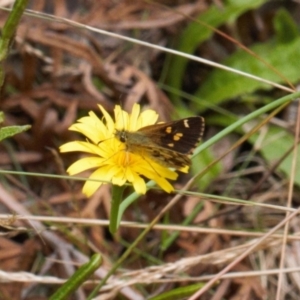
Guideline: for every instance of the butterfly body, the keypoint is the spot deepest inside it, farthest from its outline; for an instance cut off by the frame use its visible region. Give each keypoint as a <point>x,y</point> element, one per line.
<point>169,144</point>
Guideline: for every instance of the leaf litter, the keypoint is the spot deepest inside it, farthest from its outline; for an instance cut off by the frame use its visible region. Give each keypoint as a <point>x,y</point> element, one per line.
<point>55,74</point>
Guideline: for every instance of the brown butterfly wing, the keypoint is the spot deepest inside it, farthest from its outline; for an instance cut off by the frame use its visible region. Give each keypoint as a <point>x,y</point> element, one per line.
<point>181,136</point>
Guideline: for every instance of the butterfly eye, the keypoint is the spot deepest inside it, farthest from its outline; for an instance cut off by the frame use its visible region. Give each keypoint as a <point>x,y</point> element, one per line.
<point>121,136</point>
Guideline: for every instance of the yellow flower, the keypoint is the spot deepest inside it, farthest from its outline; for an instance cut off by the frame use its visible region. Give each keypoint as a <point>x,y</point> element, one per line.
<point>113,163</point>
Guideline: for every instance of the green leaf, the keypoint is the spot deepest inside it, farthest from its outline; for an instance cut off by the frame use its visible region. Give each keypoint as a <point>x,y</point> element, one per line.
<point>199,163</point>
<point>196,33</point>
<point>222,85</point>
<point>1,117</point>
<point>275,144</point>
<point>78,278</point>
<point>179,293</point>
<point>286,28</point>
<point>9,131</point>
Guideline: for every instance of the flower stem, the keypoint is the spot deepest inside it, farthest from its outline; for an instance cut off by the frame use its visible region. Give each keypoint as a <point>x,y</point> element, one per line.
<point>117,196</point>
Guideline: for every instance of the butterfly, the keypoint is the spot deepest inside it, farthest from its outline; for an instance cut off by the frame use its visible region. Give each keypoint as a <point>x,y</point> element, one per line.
<point>169,144</point>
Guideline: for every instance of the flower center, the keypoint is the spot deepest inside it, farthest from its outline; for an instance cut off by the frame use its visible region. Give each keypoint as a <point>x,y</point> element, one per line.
<point>124,158</point>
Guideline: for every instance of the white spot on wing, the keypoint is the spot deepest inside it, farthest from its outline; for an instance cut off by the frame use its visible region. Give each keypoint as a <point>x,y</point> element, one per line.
<point>186,123</point>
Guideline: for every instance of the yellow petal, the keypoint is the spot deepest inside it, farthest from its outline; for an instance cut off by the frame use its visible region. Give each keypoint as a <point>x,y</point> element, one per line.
<point>139,184</point>
<point>85,164</point>
<point>121,118</point>
<point>89,131</point>
<point>151,170</point>
<point>109,121</point>
<point>133,124</point>
<point>164,184</point>
<point>147,117</point>
<point>83,147</point>
<point>100,174</point>
<point>90,187</point>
